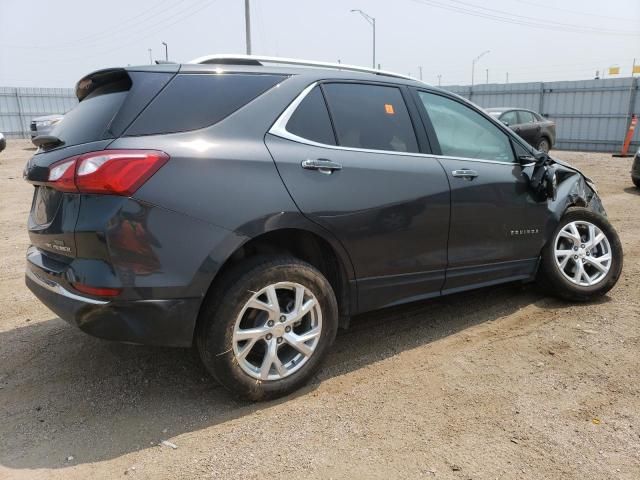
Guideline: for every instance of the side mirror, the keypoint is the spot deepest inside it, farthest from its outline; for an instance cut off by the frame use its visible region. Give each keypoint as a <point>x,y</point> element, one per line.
<point>551,183</point>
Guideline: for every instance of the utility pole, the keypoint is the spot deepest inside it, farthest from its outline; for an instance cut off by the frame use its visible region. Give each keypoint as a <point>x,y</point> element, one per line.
<point>247,25</point>
<point>150,56</point>
<point>420,68</point>
<point>439,80</point>
<point>166,51</point>
<point>487,76</point>
<point>372,22</point>
<point>473,64</point>
<point>507,77</point>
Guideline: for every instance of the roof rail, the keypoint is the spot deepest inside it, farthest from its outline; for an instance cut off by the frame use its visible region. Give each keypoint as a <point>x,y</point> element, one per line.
<point>259,60</point>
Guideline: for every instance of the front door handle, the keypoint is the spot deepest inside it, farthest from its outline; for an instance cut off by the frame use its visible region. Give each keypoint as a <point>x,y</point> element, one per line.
<point>322,165</point>
<point>465,173</point>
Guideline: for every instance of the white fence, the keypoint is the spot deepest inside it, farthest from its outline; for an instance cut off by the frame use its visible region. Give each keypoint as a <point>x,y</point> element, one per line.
<point>590,115</point>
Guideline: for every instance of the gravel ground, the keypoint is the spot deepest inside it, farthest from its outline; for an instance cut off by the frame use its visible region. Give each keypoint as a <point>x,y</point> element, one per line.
<point>499,383</point>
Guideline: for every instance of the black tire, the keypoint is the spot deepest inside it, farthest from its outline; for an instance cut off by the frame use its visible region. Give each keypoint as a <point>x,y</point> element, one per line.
<point>214,336</point>
<point>555,283</point>
<point>636,182</point>
<point>544,145</point>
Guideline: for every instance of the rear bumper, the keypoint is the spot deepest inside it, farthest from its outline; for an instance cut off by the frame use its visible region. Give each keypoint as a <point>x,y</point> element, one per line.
<point>150,322</point>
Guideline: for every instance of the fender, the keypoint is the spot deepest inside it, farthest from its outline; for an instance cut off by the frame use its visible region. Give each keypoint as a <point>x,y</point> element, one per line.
<point>561,186</point>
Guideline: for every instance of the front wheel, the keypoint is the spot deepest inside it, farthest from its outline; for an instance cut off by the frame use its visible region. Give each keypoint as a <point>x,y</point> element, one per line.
<point>267,326</point>
<point>636,182</point>
<point>583,259</point>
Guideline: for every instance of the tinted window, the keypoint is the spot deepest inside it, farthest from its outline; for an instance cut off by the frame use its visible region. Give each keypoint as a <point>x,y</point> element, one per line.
<point>370,116</point>
<point>510,118</point>
<point>90,119</point>
<point>192,101</point>
<point>463,132</point>
<point>526,117</point>
<point>311,119</point>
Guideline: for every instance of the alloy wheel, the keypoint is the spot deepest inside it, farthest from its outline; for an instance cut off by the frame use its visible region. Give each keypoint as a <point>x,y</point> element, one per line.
<point>582,253</point>
<point>277,331</point>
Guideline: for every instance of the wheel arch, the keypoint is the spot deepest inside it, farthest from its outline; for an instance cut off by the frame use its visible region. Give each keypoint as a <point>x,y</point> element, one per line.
<point>310,245</point>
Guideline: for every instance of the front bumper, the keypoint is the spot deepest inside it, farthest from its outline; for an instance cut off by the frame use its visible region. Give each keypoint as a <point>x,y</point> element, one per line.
<point>150,322</point>
<point>635,167</point>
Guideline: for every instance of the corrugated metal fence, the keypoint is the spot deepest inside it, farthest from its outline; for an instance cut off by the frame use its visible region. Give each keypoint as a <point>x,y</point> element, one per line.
<point>19,105</point>
<point>591,115</point>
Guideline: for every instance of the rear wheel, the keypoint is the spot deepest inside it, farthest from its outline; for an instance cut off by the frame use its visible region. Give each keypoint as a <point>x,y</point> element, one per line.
<point>265,331</point>
<point>583,259</point>
<point>543,145</point>
<point>636,182</point>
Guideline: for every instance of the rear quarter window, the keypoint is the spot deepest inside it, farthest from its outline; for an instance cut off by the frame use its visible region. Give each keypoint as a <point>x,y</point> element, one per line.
<point>193,101</point>
<point>311,119</point>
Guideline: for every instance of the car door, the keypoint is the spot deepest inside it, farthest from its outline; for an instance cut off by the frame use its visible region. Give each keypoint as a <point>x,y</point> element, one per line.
<point>529,128</point>
<point>349,155</point>
<point>497,227</point>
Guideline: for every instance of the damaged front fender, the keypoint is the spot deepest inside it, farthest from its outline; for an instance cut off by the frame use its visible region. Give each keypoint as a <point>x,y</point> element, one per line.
<point>561,186</point>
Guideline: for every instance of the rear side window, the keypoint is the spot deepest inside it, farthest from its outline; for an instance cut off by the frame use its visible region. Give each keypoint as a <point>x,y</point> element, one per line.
<point>193,101</point>
<point>89,120</point>
<point>370,116</point>
<point>526,117</point>
<point>311,119</point>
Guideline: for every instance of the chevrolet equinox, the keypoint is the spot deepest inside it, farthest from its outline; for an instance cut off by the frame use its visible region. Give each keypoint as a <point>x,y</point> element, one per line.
<point>251,205</point>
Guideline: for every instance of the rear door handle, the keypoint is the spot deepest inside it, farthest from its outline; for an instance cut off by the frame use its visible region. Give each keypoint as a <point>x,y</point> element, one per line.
<point>322,165</point>
<point>465,173</point>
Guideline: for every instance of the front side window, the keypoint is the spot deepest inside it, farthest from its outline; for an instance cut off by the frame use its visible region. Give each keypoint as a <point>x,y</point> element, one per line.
<point>373,117</point>
<point>462,132</point>
<point>311,119</point>
<point>510,118</point>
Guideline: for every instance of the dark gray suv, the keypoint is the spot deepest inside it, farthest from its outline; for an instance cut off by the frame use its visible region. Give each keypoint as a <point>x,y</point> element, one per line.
<point>251,206</point>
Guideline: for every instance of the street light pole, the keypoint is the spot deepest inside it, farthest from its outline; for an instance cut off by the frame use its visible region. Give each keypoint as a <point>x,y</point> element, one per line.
<point>166,51</point>
<point>473,64</point>
<point>150,56</point>
<point>247,25</point>
<point>372,22</point>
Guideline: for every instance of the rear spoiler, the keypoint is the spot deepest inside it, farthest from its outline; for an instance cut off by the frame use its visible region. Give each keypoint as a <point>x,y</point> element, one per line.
<point>94,80</point>
<point>120,78</point>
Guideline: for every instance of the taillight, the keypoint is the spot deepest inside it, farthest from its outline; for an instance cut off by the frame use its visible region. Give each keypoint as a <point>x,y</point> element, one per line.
<point>62,175</point>
<point>111,172</point>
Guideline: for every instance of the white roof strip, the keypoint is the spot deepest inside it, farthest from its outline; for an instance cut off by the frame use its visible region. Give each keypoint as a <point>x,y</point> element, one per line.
<point>296,62</point>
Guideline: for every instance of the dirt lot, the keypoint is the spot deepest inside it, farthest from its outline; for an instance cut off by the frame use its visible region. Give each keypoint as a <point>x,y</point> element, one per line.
<point>500,383</point>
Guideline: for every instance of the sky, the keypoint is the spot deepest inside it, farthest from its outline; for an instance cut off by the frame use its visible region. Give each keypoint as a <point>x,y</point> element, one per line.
<point>54,43</point>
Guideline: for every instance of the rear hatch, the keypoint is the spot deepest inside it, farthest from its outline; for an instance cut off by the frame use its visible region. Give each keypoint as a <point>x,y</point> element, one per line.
<point>109,100</point>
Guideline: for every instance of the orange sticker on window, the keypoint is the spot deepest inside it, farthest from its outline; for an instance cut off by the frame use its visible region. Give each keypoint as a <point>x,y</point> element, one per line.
<point>389,108</point>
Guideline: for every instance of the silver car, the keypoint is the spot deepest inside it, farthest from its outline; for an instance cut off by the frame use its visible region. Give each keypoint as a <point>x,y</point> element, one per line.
<point>43,125</point>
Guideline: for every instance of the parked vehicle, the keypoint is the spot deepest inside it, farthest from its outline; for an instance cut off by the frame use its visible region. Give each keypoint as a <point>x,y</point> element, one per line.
<point>538,131</point>
<point>251,207</point>
<point>635,169</point>
<point>3,142</point>
<point>44,125</point>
